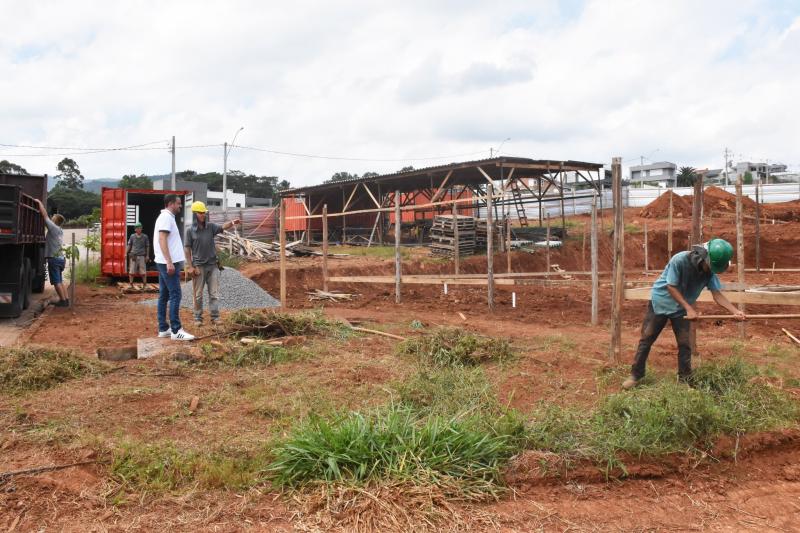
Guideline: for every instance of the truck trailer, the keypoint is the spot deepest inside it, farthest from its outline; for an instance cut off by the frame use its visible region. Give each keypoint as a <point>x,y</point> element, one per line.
<point>22,235</point>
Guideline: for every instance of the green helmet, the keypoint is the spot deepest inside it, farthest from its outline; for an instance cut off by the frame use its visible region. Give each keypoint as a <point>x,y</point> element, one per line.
<point>137,225</point>
<point>720,252</point>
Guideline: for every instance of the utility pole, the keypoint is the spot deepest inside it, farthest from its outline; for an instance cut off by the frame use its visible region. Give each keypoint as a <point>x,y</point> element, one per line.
<point>173,163</point>
<point>726,165</point>
<point>225,179</point>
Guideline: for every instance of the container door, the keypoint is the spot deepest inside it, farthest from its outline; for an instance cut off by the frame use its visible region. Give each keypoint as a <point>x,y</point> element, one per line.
<point>113,216</point>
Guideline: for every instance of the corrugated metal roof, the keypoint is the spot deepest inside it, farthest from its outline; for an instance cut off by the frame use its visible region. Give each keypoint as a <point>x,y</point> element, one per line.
<point>508,162</point>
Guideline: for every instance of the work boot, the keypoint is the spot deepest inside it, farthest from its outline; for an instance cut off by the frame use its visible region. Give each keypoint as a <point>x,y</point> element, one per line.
<point>630,383</point>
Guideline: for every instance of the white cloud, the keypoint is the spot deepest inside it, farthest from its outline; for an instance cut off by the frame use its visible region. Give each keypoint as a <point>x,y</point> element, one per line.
<point>397,80</point>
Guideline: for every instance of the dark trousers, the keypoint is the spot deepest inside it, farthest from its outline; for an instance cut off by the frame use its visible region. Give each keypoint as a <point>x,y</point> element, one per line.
<point>169,290</point>
<point>651,329</point>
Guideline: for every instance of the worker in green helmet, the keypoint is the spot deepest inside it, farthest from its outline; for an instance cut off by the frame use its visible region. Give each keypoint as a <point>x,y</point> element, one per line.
<point>673,297</point>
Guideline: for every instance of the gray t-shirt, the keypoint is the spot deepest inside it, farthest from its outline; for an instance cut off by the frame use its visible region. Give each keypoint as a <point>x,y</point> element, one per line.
<point>200,240</point>
<point>54,240</point>
<point>139,244</point>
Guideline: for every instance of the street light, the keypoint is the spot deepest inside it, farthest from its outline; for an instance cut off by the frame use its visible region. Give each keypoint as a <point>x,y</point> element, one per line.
<point>225,172</point>
<point>491,150</point>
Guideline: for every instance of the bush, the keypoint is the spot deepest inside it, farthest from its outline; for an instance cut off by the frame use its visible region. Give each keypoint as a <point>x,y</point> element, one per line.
<point>272,323</point>
<point>31,368</point>
<point>260,354</point>
<point>396,443</point>
<point>455,347</point>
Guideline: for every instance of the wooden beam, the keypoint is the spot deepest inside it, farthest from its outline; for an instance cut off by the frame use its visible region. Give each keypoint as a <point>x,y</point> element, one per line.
<point>739,246</point>
<point>753,297</point>
<point>485,175</point>
<point>282,231</point>
<point>325,247</point>
<point>595,291</point>
<point>669,227</point>
<point>442,188</point>
<point>347,204</point>
<point>618,280</point>
<point>397,263</point>
<point>508,181</point>
<point>377,204</point>
<point>489,244</point>
<point>456,243</point>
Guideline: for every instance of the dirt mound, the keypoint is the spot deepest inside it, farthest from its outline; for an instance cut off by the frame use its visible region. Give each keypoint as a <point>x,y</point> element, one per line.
<point>659,208</point>
<point>720,201</point>
<point>788,211</point>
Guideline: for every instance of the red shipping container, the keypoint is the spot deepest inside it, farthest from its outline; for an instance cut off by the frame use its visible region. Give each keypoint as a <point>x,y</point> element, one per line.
<point>120,210</point>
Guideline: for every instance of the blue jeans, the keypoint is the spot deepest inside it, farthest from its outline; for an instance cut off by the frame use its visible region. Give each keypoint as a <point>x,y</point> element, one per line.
<point>169,289</point>
<point>55,268</point>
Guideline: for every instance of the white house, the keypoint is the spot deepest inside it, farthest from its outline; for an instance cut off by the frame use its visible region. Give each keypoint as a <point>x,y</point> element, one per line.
<point>235,199</point>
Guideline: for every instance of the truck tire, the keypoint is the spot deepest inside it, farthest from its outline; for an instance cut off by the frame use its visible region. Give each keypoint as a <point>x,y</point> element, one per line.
<point>27,283</point>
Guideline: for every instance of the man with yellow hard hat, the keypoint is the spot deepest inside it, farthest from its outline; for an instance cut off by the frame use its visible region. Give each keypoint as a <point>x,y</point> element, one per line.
<point>201,254</point>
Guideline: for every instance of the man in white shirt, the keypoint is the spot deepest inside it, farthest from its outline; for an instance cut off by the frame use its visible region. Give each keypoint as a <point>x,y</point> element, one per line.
<point>169,256</point>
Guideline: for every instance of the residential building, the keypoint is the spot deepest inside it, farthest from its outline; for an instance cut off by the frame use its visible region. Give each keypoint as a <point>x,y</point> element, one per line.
<point>253,201</point>
<point>756,170</point>
<point>659,174</point>
<point>235,199</point>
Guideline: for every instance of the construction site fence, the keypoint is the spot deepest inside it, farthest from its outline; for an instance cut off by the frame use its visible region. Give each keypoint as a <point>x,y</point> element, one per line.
<point>260,223</point>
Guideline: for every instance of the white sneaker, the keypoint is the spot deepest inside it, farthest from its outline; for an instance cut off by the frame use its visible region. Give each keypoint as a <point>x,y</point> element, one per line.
<point>164,334</point>
<point>182,335</point>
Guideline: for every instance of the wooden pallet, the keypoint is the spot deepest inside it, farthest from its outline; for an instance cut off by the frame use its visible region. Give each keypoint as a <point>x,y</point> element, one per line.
<point>127,288</point>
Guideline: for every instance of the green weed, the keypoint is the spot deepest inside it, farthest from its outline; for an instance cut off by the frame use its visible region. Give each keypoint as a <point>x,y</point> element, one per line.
<point>396,443</point>
<point>32,368</point>
<point>275,322</point>
<point>455,347</point>
<point>262,354</point>
<point>448,391</point>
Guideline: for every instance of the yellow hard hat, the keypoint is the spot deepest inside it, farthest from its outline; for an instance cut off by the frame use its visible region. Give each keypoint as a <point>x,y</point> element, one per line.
<point>199,207</point>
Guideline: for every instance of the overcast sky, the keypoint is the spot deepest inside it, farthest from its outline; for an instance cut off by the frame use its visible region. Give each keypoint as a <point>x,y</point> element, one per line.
<point>397,82</point>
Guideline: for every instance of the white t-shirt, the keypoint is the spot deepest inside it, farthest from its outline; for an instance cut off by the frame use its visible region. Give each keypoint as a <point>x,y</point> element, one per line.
<point>166,222</point>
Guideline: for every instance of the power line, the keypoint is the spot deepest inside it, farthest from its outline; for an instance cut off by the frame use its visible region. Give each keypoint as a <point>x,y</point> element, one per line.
<point>82,148</point>
<point>363,159</point>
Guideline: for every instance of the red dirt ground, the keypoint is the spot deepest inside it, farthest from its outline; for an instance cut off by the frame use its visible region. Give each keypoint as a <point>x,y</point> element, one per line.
<point>562,359</point>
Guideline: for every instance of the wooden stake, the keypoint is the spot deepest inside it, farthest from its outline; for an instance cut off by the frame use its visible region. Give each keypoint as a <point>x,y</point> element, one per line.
<point>547,250</point>
<point>508,244</point>
<point>646,263</point>
<point>282,235</point>
<point>72,274</point>
<point>325,247</point>
<point>795,339</point>
<point>784,316</point>
<point>618,279</point>
<point>669,228</point>
<point>397,264</point>
<point>595,280</point>
<point>697,212</point>
<point>457,244</point>
<point>758,226</point>
<point>740,247</point>
<point>490,246</point>
<point>583,247</point>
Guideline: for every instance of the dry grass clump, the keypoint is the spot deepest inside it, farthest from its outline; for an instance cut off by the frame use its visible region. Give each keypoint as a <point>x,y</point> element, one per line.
<point>270,323</point>
<point>32,368</point>
<point>455,347</point>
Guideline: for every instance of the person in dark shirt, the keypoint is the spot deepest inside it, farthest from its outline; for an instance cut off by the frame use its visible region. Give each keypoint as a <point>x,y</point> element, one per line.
<point>54,253</point>
<point>201,254</point>
<point>138,252</point>
<point>673,297</point>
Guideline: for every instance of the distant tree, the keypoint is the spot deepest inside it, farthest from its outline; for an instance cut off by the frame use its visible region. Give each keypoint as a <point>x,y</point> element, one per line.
<point>132,181</point>
<point>7,167</point>
<point>686,177</point>
<point>185,174</point>
<point>370,175</point>
<point>249,184</point>
<point>72,203</point>
<point>747,179</point>
<point>69,176</point>
<point>406,169</point>
<point>342,176</point>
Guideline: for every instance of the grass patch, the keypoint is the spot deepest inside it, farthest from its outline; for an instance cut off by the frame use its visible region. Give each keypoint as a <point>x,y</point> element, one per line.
<point>555,343</point>
<point>382,252</point>
<point>455,347</point>
<point>33,368</point>
<point>727,399</point>
<point>448,392</point>
<point>163,467</point>
<point>262,354</point>
<point>229,261</point>
<point>271,323</point>
<point>84,273</point>
<point>397,443</point>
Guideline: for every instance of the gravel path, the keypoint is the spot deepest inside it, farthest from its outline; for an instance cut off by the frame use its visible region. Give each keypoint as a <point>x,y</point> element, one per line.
<point>235,292</point>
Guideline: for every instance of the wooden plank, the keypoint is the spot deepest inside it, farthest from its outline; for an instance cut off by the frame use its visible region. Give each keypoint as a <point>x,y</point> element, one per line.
<point>751,296</point>
<point>418,281</point>
<point>442,188</point>
<point>485,175</point>
<point>457,242</point>
<point>325,247</point>
<point>347,204</point>
<point>377,203</point>
<point>669,227</point>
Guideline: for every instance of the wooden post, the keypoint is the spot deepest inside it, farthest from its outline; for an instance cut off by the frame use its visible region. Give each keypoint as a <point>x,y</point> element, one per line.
<point>595,279</point>
<point>87,259</point>
<point>618,280</point>
<point>740,247</point>
<point>669,227</point>
<point>490,246</point>
<point>307,200</point>
<point>344,218</point>
<point>325,247</point>
<point>697,212</point>
<point>508,243</point>
<point>547,249</point>
<point>646,263</point>
<point>758,226</point>
<point>72,274</point>
<point>397,264</point>
<point>282,234</point>
<point>563,218</point>
<point>456,239</point>
<point>583,247</point>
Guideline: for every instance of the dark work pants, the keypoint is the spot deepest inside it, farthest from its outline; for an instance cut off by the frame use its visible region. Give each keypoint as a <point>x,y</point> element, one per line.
<point>651,329</point>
